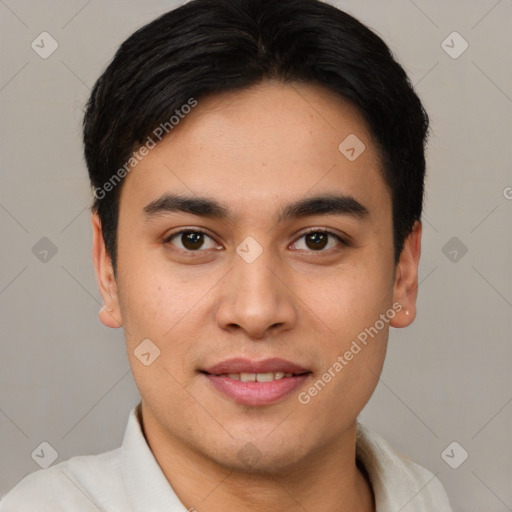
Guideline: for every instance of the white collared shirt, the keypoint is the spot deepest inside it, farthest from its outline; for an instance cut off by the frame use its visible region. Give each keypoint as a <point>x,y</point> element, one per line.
<point>129,479</point>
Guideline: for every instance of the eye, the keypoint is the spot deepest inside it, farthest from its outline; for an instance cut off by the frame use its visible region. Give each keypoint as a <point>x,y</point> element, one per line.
<point>191,240</point>
<point>318,239</point>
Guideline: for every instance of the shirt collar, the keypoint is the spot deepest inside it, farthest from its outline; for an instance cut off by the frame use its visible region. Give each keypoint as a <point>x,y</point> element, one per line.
<point>147,488</point>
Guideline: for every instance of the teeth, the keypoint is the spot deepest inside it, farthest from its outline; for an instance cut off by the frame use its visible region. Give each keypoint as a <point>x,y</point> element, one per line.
<point>265,377</point>
<point>259,377</point>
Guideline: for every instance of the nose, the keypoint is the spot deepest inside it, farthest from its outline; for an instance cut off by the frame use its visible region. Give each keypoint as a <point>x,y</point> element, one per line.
<point>256,298</point>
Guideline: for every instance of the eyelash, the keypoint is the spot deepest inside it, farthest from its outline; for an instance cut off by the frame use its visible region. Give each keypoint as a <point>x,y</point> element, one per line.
<point>341,240</point>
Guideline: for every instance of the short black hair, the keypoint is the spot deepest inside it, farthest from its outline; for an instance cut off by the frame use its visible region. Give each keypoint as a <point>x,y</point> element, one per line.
<point>210,46</point>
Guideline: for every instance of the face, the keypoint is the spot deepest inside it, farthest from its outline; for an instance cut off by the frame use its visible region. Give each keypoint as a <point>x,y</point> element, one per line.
<point>230,269</point>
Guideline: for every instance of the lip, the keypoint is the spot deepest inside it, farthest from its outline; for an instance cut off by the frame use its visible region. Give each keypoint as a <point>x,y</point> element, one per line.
<point>241,365</point>
<point>255,393</point>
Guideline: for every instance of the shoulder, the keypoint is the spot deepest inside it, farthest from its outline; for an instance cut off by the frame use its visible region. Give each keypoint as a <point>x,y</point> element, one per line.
<point>82,482</point>
<point>397,480</point>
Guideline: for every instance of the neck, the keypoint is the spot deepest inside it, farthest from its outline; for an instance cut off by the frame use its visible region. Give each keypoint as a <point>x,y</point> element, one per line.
<point>328,480</point>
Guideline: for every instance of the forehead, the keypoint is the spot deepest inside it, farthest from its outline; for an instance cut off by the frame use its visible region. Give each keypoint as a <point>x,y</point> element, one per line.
<point>258,144</point>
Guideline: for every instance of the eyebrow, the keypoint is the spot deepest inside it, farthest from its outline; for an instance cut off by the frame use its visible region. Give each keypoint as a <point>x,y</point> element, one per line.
<point>324,204</point>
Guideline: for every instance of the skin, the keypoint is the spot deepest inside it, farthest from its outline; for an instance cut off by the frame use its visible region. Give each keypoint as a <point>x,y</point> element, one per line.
<point>255,151</point>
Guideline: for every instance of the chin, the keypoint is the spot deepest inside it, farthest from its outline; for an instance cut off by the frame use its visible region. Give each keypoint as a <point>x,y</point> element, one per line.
<point>260,457</point>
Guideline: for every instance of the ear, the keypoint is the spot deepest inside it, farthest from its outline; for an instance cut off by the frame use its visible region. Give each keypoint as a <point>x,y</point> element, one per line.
<point>405,290</point>
<point>109,314</point>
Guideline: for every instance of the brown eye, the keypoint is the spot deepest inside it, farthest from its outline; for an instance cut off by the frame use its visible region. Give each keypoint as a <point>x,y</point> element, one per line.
<point>191,240</point>
<point>318,240</point>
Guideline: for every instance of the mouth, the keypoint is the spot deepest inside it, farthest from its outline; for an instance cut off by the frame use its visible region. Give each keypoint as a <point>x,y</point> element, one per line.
<point>256,382</point>
<point>257,377</point>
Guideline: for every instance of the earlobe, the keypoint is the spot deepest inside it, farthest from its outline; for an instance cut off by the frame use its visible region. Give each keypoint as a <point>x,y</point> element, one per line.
<point>405,290</point>
<point>109,314</point>
<point>108,319</point>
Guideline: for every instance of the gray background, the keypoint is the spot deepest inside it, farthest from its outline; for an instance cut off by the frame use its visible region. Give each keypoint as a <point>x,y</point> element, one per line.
<point>64,378</point>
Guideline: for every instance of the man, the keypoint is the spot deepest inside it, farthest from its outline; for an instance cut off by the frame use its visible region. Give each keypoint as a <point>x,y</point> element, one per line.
<point>258,172</point>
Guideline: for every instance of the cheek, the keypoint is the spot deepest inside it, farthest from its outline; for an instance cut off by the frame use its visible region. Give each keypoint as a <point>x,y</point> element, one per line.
<point>348,308</point>
<point>147,308</point>
<point>352,362</point>
<point>159,308</point>
<point>153,294</point>
<point>350,297</point>
<point>162,303</point>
